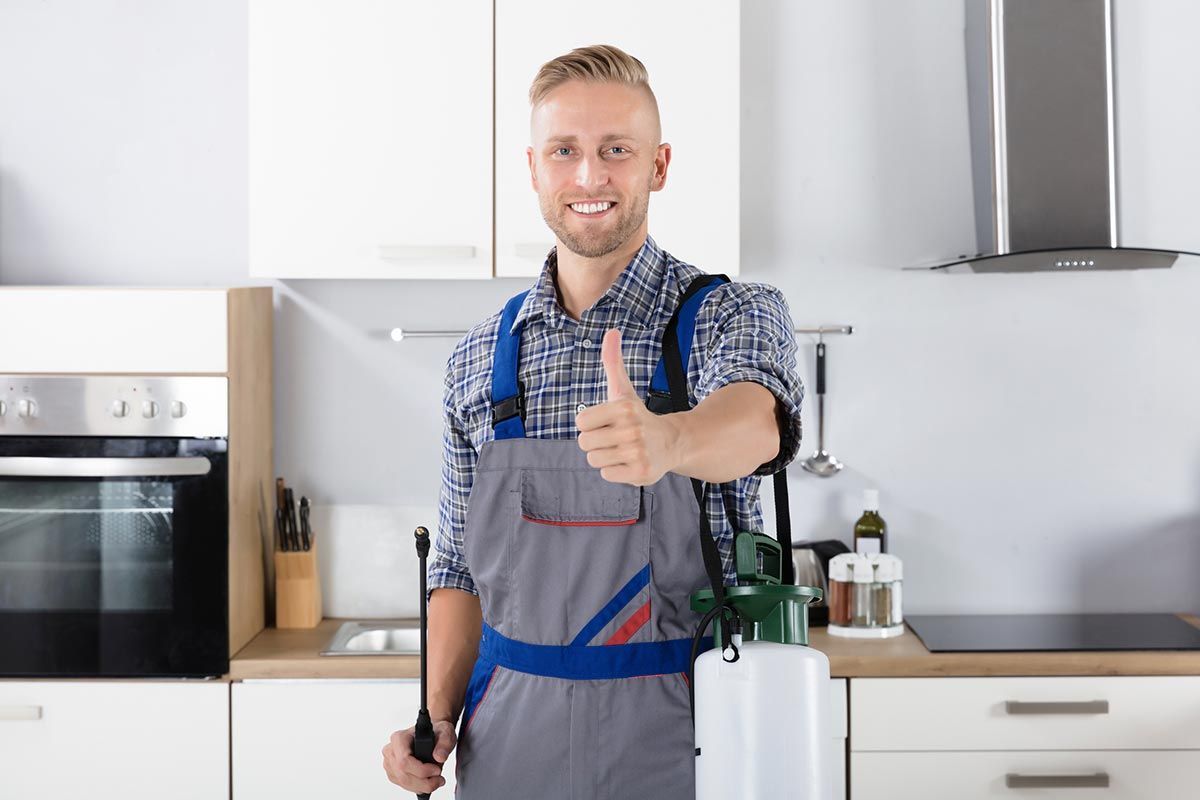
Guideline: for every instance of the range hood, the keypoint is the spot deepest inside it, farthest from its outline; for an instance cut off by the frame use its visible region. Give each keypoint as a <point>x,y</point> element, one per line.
<point>1041,105</point>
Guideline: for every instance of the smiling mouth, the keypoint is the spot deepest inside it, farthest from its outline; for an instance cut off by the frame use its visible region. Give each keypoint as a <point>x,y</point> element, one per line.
<point>597,209</point>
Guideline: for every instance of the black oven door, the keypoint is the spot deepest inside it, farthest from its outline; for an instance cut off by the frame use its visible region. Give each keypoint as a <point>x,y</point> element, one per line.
<point>113,557</point>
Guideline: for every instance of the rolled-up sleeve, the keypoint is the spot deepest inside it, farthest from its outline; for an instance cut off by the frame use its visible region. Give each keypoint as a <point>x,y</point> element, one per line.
<point>448,567</point>
<point>748,335</point>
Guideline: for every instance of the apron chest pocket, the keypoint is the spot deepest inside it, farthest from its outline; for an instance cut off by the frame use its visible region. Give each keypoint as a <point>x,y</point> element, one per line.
<point>568,498</point>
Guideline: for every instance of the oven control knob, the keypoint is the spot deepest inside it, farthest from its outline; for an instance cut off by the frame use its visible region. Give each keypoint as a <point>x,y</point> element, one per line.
<point>149,409</point>
<point>3,408</point>
<point>178,409</point>
<point>120,408</point>
<point>26,409</point>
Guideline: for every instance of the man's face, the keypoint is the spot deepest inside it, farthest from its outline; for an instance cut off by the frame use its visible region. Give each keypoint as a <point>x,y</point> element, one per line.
<point>596,143</point>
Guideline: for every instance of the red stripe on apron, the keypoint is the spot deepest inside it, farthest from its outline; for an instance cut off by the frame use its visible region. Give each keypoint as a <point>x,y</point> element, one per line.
<point>580,523</point>
<point>475,710</point>
<point>631,626</point>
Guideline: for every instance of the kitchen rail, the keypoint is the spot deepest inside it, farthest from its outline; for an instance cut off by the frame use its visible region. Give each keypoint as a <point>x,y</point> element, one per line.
<point>400,334</point>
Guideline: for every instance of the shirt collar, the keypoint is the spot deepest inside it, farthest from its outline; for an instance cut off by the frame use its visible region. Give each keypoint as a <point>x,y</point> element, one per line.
<point>638,289</point>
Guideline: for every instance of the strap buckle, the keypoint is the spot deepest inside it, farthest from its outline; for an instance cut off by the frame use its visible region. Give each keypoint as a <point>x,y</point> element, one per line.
<point>659,402</point>
<point>509,407</point>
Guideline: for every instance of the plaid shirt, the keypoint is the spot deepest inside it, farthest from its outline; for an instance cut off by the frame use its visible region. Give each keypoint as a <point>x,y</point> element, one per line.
<point>744,332</point>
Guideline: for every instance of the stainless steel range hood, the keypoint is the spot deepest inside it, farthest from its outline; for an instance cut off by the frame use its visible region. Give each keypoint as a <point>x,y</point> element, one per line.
<point>1042,113</point>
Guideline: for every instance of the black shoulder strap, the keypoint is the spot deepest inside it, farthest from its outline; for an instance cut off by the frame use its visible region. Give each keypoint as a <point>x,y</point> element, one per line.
<point>676,377</point>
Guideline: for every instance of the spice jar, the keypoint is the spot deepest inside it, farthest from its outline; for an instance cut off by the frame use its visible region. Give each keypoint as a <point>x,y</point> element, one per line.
<point>865,596</point>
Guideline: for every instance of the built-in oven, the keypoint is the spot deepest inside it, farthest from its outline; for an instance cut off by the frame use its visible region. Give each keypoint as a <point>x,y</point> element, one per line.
<point>114,526</point>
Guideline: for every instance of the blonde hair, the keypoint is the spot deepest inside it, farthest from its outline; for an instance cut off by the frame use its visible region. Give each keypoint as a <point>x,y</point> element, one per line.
<point>597,63</point>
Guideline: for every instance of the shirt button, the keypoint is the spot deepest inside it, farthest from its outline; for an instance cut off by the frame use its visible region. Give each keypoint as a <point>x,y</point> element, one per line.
<point>579,409</point>
<point>587,344</point>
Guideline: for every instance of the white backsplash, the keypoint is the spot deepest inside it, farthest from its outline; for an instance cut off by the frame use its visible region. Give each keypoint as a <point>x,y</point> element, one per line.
<point>367,558</point>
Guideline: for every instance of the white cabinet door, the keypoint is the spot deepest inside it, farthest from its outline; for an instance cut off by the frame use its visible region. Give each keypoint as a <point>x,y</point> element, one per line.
<point>1110,774</point>
<point>107,740</point>
<point>1065,713</point>
<point>320,739</point>
<point>691,50</point>
<point>96,330</point>
<point>370,142</point>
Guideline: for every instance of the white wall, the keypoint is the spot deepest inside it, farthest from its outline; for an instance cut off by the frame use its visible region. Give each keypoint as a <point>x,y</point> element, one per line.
<point>1036,438</point>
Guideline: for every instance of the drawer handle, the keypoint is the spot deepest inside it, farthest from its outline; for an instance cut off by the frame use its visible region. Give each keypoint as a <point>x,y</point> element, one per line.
<point>15,713</point>
<point>1014,780</point>
<point>1086,707</point>
<point>402,253</point>
<point>537,250</point>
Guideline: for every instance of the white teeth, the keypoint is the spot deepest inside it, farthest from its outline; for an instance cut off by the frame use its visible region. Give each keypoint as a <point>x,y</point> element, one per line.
<point>591,208</point>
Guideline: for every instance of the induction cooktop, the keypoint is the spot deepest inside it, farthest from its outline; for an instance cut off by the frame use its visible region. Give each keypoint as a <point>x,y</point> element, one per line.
<point>960,633</point>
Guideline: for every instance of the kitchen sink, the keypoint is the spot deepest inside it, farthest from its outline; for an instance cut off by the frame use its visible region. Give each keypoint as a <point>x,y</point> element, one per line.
<point>376,638</point>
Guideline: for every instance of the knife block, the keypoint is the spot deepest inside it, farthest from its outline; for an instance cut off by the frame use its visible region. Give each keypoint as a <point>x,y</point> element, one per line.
<point>297,588</point>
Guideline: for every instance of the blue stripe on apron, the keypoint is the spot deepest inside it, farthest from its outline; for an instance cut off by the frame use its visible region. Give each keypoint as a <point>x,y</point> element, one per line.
<point>586,662</point>
<point>613,607</point>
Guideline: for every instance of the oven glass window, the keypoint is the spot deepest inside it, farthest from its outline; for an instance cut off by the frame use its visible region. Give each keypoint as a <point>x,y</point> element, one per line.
<point>86,545</point>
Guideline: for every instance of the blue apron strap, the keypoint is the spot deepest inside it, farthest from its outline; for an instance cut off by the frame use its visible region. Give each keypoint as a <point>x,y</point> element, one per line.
<point>679,332</point>
<point>508,401</point>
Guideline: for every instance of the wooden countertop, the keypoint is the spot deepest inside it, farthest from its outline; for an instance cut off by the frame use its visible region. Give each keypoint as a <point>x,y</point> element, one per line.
<point>294,654</point>
<point>276,653</point>
<point>906,657</point>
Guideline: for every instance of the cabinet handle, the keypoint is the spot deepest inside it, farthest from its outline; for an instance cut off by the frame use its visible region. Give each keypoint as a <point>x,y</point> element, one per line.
<point>15,713</point>
<point>417,252</point>
<point>1015,780</point>
<point>1085,707</point>
<point>537,250</point>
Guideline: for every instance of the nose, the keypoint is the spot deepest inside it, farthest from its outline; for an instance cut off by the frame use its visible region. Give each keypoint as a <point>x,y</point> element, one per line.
<point>592,171</point>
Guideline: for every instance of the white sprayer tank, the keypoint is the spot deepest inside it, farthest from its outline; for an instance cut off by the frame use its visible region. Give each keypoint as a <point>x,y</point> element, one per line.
<point>763,724</point>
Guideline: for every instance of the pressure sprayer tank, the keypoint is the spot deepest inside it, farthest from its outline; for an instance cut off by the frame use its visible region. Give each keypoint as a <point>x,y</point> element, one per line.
<point>763,721</point>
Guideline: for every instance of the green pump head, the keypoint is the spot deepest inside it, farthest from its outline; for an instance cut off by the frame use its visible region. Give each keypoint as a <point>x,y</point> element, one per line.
<point>758,559</point>
<point>779,612</point>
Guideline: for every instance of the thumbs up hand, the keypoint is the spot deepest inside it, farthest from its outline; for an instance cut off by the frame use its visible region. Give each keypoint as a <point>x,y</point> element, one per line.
<point>619,384</point>
<point>624,439</point>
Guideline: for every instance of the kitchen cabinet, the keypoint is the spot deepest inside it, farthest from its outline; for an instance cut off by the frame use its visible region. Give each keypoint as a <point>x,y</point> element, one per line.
<point>840,729</point>
<point>370,139</point>
<point>54,329</point>
<point>320,738</point>
<point>987,737</point>
<point>371,132</point>
<point>1113,775</point>
<point>113,740</point>
<point>691,49</point>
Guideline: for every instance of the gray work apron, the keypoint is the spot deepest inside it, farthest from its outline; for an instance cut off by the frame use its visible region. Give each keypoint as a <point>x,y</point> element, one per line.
<point>580,689</point>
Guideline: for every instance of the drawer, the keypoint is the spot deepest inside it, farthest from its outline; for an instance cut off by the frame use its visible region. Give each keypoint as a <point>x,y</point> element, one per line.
<point>104,740</point>
<point>1108,775</point>
<point>1086,713</point>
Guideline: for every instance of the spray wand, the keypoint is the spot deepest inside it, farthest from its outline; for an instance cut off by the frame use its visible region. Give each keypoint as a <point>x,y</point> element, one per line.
<point>423,732</point>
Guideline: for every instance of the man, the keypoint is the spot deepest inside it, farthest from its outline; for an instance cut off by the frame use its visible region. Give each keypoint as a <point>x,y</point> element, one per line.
<point>568,541</point>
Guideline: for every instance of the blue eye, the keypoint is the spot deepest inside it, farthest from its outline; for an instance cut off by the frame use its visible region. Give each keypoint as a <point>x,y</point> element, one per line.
<point>618,147</point>
<point>563,150</point>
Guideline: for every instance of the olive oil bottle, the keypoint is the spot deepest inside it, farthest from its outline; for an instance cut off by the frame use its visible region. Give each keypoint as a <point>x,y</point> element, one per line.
<point>870,531</point>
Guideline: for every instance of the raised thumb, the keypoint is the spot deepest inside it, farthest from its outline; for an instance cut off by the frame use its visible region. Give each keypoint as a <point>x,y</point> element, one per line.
<point>619,384</point>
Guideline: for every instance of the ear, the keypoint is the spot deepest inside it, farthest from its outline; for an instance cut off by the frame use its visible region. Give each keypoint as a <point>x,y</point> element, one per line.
<point>662,160</point>
<point>532,168</point>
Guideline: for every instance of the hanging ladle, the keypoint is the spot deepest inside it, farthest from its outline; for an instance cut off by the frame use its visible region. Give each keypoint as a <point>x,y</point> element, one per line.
<point>821,463</point>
